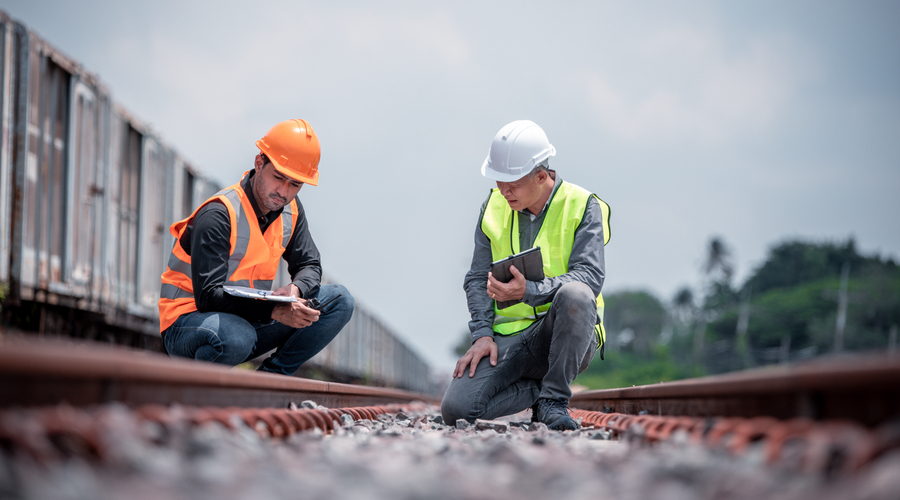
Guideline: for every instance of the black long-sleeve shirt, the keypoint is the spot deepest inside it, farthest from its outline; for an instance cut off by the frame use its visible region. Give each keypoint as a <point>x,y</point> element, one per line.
<point>207,241</point>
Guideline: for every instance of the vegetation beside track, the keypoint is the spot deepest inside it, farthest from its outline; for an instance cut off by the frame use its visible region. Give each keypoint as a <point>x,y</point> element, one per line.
<point>786,310</point>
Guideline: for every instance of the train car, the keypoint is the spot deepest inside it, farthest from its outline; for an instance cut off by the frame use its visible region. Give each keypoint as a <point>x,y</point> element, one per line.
<point>87,194</point>
<point>6,36</point>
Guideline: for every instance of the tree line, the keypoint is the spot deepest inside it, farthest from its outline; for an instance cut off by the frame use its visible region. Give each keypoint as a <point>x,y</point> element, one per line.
<point>807,299</point>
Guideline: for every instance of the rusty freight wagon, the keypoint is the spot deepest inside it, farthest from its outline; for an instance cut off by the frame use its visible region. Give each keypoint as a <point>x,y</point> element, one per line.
<point>87,193</point>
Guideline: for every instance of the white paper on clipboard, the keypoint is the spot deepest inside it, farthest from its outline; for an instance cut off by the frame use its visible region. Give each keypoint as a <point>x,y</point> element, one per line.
<point>253,293</point>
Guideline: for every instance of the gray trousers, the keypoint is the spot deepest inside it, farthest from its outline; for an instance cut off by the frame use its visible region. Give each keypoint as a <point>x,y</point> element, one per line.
<point>539,362</point>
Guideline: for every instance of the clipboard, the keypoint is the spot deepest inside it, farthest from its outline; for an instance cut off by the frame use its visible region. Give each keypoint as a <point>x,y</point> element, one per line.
<point>253,293</point>
<point>529,263</point>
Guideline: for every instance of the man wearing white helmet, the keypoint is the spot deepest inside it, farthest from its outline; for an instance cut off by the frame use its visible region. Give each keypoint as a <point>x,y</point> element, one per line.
<point>527,354</point>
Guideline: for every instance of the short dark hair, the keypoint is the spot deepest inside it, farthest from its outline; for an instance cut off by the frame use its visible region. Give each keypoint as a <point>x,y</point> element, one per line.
<point>542,166</point>
<point>265,159</point>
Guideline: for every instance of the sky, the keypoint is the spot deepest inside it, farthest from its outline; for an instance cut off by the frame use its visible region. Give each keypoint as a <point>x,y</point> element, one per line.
<point>756,122</point>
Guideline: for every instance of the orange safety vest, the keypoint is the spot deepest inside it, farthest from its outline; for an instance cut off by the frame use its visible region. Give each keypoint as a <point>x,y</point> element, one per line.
<point>253,256</point>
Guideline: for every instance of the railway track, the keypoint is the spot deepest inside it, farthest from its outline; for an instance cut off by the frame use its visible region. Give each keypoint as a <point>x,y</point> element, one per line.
<point>62,400</point>
<point>863,389</point>
<point>830,414</point>
<point>58,371</point>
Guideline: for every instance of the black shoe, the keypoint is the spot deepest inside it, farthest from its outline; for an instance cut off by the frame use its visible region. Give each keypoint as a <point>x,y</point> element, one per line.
<point>554,413</point>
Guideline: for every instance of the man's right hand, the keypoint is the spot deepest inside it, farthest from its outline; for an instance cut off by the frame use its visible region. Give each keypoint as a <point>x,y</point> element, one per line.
<point>482,347</point>
<point>295,314</point>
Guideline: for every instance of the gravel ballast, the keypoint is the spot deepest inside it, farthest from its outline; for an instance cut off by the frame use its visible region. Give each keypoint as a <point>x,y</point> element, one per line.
<point>416,456</point>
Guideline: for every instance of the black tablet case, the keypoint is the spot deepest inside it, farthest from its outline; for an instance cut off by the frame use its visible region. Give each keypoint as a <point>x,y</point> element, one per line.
<point>529,263</point>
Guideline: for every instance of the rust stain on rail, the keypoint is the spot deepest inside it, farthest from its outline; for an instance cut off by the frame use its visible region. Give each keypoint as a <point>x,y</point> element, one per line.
<point>862,389</point>
<point>51,372</point>
<point>816,446</point>
<point>49,433</point>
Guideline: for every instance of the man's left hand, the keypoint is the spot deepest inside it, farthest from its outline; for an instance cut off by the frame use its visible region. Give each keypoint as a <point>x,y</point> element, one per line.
<point>501,292</point>
<point>287,291</point>
<point>294,314</point>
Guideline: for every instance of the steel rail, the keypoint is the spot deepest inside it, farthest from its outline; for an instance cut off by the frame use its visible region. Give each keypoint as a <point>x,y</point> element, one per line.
<point>863,389</point>
<point>49,372</point>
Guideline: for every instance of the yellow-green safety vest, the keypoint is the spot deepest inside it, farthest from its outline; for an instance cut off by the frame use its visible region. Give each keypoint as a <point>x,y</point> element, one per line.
<point>555,238</point>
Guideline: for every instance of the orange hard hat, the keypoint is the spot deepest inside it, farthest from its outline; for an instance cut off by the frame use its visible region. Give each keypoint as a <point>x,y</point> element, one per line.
<point>293,148</point>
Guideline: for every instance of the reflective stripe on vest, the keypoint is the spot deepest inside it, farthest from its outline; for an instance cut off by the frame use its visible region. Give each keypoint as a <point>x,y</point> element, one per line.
<point>555,238</point>
<point>253,256</point>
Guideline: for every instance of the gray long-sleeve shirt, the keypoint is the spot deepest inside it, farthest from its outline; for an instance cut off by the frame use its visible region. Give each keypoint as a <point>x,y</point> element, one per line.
<point>586,263</point>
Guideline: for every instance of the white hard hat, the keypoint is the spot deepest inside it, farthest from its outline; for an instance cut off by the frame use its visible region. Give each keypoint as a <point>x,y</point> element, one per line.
<point>517,148</point>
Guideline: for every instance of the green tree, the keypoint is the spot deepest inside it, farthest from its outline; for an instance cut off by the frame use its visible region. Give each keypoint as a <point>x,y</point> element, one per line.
<point>625,369</point>
<point>718,270</point>
<point>793,263</point>
<point>684,316</point>
<point>633,321</point>
<point>635,355</point>
<point>793,313</point>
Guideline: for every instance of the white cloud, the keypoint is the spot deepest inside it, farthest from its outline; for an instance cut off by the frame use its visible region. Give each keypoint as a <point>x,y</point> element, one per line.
<point>686,85</point>
<point>340,42</point>
<point>431,39</point>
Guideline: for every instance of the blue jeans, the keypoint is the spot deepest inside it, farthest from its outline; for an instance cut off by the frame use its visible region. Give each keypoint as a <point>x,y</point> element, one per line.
<point>220,337</point>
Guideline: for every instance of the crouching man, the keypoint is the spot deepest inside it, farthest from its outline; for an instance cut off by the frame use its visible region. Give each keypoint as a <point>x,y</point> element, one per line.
<point>238,238</point>
<point>527,354</point>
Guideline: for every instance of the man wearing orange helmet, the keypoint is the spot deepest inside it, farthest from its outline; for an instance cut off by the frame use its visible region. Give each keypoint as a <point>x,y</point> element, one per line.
<point>237,238</point>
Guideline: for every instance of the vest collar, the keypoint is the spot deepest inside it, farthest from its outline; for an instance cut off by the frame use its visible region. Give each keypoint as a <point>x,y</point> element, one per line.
<point>251,197</point>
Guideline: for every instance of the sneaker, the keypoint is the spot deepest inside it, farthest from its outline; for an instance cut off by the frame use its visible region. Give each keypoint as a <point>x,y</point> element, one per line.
<point>554,413</point>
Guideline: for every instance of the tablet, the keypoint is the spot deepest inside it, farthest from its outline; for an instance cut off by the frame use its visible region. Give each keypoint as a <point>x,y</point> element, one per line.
<point>253,293</point>
<point>529,263</point>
